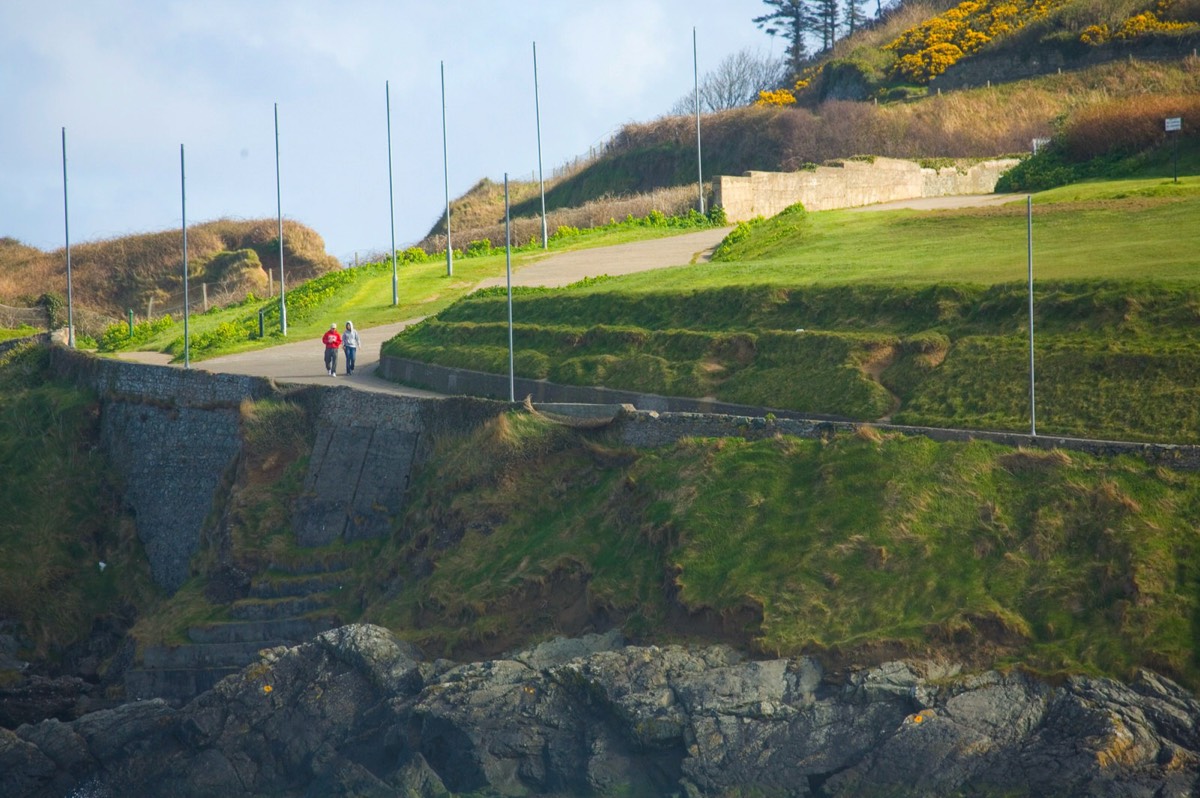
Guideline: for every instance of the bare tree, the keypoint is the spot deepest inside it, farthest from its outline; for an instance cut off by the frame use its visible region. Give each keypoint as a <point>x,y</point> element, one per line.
<point>735,82</point>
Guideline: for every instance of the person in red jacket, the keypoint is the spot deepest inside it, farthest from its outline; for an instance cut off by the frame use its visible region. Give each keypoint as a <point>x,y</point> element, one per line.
<point>332,341</point>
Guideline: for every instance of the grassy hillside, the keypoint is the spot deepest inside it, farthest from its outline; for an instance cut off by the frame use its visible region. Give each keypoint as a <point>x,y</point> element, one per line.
<point>919,317</point>
<point>990,40</point>
<point>60,515</point>
<point>114,275</point>
<point>981,122</point>
<point>856,548</point>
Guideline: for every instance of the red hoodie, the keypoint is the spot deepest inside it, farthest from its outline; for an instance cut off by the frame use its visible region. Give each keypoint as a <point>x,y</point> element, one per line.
<point>331,339</point>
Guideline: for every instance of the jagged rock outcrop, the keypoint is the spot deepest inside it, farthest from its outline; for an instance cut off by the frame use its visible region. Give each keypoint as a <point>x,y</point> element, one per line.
<point>355,712</point>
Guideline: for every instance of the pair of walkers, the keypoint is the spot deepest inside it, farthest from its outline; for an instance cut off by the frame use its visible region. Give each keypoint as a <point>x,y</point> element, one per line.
<point>348,341</point>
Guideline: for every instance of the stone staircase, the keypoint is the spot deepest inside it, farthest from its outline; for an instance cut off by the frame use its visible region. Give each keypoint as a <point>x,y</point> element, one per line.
<point>286,605</point>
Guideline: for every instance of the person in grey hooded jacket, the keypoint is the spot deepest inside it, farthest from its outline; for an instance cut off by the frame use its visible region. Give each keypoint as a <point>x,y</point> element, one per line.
<point>350,342</point>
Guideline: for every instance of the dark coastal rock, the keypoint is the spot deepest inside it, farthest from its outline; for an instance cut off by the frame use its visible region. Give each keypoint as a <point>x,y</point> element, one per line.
<point>356,712</point>
<point>34,697</point>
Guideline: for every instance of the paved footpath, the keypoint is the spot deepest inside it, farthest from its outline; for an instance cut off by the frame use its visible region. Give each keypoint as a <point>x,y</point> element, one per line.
<point>302,361</point>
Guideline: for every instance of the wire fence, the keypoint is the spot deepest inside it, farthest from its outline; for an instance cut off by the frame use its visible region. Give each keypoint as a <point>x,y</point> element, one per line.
<point>91,322</point>
<point>201,297</point>
<point>86,321</point>
<point>17,317</point>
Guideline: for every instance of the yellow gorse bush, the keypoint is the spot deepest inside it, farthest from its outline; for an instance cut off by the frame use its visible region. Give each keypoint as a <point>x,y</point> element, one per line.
<point>781,97</point>
<point>776,97</point>
<point>929,49</point>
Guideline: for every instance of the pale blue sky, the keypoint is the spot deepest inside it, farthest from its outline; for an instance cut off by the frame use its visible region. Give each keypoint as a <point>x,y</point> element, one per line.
<point>131,80</point>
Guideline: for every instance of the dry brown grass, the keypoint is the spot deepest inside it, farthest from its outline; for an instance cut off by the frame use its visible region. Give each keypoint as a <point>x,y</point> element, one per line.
<point>961,124</point>
<point>1129,124</point>
<point>111,275</point>
<point>674,200</point>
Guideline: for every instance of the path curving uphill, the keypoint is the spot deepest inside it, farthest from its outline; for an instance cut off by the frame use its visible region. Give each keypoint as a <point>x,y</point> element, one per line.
<point>301,361</point>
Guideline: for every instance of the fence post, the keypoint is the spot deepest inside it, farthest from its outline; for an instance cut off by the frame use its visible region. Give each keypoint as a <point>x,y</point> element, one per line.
<point>204,289</point>
<point>150,309</point>
<point>260,324</point>
<point>130,311</point>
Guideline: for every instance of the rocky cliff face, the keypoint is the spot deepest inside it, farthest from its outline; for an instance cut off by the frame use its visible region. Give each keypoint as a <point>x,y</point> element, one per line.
<point>354,712</point>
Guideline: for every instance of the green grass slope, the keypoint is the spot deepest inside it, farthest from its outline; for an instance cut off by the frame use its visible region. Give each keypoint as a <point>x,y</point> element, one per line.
<point>855,548</point>
<point>920,317</point>
<point>60,515</point>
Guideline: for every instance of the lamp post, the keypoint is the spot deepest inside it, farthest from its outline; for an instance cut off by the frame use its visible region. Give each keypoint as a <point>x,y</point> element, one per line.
<point>508,273</point>
<point>187,362</point>
<point>391,197</point>
<point>537,109</point>
<point>696,84</point>
<point>1029,246</point>
<point>279,211</point>
<point>446,177</point>
<point>67,235</point>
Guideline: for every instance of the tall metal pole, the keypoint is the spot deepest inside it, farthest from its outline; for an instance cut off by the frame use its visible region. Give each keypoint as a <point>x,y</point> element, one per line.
<point>696,83</point>
<point>67,235</point>
<point>391,197</point>
<point>187,362</point>
<point>537,109</point>
<point>279,210</point>
<point>1029,239</point>
<point>512,397</point>
<point>446,176</point>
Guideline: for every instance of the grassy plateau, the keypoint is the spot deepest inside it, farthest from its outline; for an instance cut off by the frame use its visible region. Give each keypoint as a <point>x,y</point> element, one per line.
<point>920,317</point>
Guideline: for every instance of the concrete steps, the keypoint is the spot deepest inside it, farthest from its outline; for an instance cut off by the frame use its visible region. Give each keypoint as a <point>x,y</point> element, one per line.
<point>286,605</point>
<point>263,632</point>
<point>278,609</point>
<point>274,587</point>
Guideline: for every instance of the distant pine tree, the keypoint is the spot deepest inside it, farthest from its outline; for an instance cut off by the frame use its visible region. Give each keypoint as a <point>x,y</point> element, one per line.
<point>793,20</point>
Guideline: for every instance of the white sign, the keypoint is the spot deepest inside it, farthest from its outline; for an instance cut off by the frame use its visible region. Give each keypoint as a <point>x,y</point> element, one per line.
<point>1174,123</point>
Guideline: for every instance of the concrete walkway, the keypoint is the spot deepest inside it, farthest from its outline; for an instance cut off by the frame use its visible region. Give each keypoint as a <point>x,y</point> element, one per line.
<point>556,271</point>
<point>302,361</point>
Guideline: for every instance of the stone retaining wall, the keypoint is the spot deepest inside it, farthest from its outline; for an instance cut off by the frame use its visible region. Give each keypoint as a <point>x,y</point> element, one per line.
<point>661,420</point>
<point>448,380</point>
<point>649,429</point>
<point>173,436</point>
<point>12,343</point>
<point>850,184</point>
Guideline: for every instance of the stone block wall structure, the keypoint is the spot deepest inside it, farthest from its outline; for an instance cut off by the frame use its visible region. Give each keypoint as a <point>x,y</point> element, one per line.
<point>850,184</point>
<point>662,420</point>
<point>368,446</point>
<point>173,435</point>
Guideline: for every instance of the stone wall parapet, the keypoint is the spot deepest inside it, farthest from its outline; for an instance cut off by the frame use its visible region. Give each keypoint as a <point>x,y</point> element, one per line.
<point>162,384</point>
<point>851,184</point>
